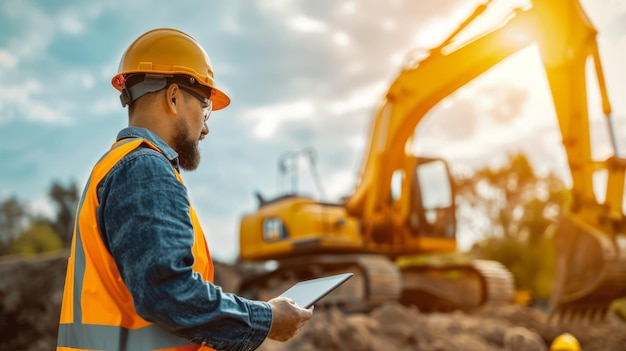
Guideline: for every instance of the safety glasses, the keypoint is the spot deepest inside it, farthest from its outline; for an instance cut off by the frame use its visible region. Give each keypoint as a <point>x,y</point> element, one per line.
<point>207,104</point>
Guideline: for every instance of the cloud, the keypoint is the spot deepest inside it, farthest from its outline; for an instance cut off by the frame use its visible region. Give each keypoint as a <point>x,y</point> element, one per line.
<point>266,120</point>
<point>222,236</point>
<point>339,184</point>
<point>503,103</point>
<point>71,25</point>
<point>306,25</point>
<point>455,120</point>
<point>39,84</point>
<point>17,101</point>
<point>341,38</point>
<point>359,99</point>
<point>43,207</point>
<point>7,60</point>
<point>42,113</point>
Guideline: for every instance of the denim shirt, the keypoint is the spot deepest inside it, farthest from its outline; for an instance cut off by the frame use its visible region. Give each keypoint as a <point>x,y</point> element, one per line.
<point>144,219</point>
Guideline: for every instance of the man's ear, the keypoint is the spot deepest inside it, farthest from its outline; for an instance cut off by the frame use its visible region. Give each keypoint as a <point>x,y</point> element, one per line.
<point>170,95</point>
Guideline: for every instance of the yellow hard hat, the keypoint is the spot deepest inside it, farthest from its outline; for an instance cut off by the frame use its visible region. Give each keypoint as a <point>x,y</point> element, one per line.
<point>166,55</point>
<point>565,342</point>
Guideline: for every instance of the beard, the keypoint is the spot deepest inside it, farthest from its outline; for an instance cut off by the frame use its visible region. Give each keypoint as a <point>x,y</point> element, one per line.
<point>187,148</point>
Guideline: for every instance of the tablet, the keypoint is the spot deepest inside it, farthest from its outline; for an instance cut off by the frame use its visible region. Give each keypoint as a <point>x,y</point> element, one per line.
<point>308,292</point>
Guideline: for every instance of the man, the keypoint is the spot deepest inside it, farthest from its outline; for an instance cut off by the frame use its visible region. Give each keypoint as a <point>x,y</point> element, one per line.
<point>140,272</point>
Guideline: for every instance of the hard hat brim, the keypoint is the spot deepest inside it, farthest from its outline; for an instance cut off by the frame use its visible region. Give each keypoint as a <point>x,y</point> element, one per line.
<point>219,99</point>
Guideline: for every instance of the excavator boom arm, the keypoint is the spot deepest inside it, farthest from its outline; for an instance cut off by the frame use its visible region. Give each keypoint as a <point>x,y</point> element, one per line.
<point>565,39</point>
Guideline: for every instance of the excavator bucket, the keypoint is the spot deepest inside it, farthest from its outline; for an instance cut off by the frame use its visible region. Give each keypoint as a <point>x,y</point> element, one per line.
<point>590,273</point>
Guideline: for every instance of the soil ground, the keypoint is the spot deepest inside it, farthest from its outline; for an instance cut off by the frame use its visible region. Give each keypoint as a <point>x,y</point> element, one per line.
<point>31,292</point>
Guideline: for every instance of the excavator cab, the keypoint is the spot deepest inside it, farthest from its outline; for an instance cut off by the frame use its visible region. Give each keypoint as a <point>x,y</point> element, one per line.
<point>421,210</point>
<point>421,217</point>
<point>434,199</point>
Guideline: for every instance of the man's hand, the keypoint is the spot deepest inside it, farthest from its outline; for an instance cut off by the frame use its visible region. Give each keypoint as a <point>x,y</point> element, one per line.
<point>287,318</point>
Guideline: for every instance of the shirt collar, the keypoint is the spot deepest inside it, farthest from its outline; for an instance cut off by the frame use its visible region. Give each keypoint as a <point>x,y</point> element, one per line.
<point>138,132</point>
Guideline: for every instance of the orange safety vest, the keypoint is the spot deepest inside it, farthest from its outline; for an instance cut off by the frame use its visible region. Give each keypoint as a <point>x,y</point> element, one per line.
<point>98,311</point>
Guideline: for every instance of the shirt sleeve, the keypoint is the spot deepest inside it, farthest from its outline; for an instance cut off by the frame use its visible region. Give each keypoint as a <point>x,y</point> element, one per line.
<point>144,219</point>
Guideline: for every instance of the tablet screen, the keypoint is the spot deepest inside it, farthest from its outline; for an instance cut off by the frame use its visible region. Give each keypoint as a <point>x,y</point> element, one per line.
<point>308,292</point>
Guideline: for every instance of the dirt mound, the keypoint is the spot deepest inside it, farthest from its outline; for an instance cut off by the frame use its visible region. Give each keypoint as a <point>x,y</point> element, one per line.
<point>31,291</point>
<point>396,327</point>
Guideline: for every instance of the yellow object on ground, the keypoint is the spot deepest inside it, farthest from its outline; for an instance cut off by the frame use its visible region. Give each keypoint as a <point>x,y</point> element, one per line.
<point>565,342</point>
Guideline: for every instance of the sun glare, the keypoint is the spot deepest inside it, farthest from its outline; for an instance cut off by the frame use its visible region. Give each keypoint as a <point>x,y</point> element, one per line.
<point>430,36</point>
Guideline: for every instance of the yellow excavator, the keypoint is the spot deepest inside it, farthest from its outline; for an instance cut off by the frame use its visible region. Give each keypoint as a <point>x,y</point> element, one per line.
<point>403,205</point>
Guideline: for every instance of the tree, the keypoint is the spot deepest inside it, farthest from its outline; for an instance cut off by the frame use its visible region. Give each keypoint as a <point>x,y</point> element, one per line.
<point>40,237</point>
<point>519,212</point>
<point>13,220</point>
<point>65,200</point>
<point>513,199</point>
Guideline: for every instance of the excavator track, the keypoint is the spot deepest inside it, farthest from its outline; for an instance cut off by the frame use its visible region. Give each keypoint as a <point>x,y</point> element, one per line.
<point>383,278</point>
<point>376,280</point>
<point>498,282</point>
<point>452,286</point>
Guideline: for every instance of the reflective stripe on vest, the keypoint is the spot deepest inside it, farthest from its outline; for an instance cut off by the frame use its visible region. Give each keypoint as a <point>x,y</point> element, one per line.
<point>120,329</point>
<point>112,338</point>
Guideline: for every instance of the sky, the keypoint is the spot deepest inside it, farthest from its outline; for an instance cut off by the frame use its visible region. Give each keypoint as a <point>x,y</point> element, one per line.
<point>301,74</point>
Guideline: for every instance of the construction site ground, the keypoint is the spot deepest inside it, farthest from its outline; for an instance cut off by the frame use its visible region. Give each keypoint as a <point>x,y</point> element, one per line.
<point>31,291</point>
